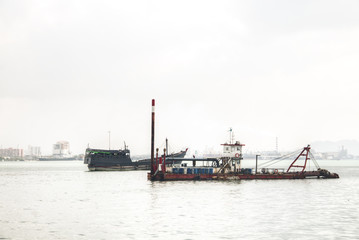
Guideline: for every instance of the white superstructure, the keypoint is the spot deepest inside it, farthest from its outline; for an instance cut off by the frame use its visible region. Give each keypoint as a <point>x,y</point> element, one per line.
<point>233,151</point>
<point>61,149</point>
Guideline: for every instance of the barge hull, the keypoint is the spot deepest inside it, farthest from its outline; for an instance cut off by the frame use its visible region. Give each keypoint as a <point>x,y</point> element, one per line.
<point>119,168</point>
<point>183,177</point>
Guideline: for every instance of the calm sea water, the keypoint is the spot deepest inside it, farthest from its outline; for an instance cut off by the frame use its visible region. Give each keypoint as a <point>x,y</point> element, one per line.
<point>62,200</point>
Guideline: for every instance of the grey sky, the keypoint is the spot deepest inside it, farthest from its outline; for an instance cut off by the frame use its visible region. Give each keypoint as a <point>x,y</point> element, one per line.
<point>72,70</point>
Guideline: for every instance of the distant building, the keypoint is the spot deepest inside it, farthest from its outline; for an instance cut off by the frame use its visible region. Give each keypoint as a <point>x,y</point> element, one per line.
<point>11,153</point>
<point>61,148</point>
<point>34,151</point>
<point>341,154</point>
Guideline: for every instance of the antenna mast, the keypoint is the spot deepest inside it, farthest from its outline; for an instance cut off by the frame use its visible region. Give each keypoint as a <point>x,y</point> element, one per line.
<point>109,140</point>
<point>166,146</point>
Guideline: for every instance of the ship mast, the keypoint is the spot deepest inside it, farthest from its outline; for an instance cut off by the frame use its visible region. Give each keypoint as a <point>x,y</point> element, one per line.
<point>230,136</point>
<point>109,140</point>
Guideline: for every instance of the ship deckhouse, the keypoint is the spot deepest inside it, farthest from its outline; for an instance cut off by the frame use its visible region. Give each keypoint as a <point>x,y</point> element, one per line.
<point>233,150</point>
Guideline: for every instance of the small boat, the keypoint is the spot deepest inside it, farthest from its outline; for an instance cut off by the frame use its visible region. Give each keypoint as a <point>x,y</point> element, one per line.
<point>120,160</point>
<point>58,158</point>
<point>60,152</point>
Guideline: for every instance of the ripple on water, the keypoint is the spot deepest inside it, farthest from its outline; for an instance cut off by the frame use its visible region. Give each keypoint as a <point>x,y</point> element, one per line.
<point>63,201</point>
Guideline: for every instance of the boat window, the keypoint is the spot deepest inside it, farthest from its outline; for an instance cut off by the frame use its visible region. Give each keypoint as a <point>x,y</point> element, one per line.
<point>238,148</point>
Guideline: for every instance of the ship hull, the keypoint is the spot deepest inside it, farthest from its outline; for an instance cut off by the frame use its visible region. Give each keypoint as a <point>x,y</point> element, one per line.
<point>132,167</point>
<point>118,168</point>
<point>58,159</point>
<point>184,177</point>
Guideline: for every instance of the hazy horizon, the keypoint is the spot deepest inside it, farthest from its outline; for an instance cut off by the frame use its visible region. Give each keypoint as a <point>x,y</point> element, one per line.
<point>74,70</point>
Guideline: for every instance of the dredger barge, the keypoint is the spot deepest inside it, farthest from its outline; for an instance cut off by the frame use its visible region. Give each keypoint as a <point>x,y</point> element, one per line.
<point>228,167</point>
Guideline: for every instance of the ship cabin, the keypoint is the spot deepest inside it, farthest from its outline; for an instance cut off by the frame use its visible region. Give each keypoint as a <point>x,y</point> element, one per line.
<point>233,151</point>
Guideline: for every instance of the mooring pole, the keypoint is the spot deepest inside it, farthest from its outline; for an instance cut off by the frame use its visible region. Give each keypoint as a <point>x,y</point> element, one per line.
<point>257,162</point>
<point>153,137</point>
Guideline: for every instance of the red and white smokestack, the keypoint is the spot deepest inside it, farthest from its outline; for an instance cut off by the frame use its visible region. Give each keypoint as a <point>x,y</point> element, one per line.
<point>153,137</point>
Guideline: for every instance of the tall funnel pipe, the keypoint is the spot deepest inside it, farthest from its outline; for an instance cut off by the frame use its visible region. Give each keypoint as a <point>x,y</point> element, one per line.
<point>153,137</point>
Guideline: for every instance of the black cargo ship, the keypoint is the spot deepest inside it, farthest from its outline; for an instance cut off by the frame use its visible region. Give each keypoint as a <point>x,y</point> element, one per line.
<point>120,160</point>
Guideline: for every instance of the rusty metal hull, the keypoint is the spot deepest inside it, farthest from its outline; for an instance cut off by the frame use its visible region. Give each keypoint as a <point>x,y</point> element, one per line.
<point>235,176</point>
<point>119,168</point>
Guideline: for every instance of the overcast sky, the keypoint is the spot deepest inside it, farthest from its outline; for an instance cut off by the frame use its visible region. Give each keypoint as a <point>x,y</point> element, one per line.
<point>73,70</point>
